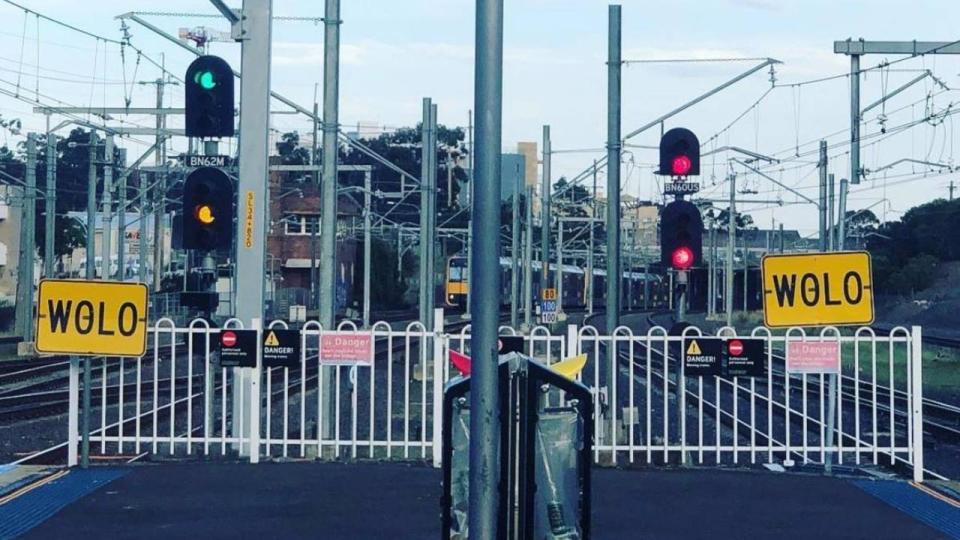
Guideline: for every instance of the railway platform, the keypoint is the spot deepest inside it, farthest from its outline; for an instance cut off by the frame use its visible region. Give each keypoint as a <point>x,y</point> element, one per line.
<point>398,500</point>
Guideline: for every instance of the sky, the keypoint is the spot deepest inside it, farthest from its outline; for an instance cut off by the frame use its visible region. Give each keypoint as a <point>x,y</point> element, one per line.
<point>395,53</point>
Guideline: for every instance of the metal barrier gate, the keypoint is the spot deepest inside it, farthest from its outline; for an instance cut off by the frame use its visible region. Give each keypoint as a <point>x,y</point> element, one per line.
<point>177,400</point>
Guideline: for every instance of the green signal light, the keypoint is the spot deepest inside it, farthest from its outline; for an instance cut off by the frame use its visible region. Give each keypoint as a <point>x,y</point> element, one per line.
<point>205,79</point>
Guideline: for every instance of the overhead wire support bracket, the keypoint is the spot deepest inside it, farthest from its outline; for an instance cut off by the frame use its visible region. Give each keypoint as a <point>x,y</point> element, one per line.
<point>781,184</point>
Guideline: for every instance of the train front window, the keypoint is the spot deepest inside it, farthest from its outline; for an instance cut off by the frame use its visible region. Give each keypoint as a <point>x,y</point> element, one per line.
<point>456,273</point>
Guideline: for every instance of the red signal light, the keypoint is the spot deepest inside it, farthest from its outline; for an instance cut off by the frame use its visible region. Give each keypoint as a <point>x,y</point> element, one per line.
<point>682,258</point>
<point>680,166</point>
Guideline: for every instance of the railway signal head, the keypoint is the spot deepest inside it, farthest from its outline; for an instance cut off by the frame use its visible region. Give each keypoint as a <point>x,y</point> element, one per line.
<point>209,98</point>
<point>679,153</point>
<point>681,235</point>
<point>208,198</point>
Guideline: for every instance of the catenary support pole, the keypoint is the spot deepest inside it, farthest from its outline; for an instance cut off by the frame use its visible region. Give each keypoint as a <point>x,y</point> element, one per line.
<point>515,253</point>
<point>822,165</point>
<point>545,212</point>
<point>842,214</point>
<point>469,206</point>
<point>731,239</point>
<point>24,307</point>
<point>107,201</point>
<point>366,248</point>
<point>484,502</point>
<point>122,218</point>
<point>855,118</point>
<point>614,65</point>
<point>425,240</point>
<point>252,189</point>
<point>831,205</point>
<point>159,193</point>
<point>432,220</point>
<point>331,122</point>
<point>91,205</point>
<point>528,260</point>
<point>50,206</point>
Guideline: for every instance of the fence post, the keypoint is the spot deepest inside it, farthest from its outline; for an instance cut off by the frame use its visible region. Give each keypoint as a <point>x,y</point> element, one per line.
<point>916,405</point>
<point>254,416</point>
<point>439,340</point>
<point>73,412</point>
<point>573,348</point>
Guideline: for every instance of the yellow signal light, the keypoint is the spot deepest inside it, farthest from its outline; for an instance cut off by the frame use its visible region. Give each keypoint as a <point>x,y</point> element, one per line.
<point>204,214</point>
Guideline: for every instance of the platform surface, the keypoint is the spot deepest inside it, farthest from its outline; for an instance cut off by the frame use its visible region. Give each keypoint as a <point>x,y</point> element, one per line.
<point>400,501</point>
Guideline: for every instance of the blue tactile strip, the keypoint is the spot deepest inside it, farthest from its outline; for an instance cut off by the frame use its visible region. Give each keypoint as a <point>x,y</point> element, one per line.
<point>34,507</point>
<point>919,505</point>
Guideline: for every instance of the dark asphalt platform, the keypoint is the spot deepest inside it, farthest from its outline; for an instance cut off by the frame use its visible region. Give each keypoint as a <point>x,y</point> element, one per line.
<point>400,501</point>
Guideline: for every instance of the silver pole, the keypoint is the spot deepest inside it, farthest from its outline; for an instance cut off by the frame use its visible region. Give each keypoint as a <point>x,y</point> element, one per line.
<point>842,214</point>
<point>432,220</point>
<point>710,271</point>
<point>484,502</point>
<point>731,238</point>
<point>24,292</point>
<point>107,229</point>
<point>614,65</point>
<point>831,200</point>
<point>469,206</point>
<point>252,190</point>
<point>91,204</point>
<point>331,122</point>
<point>593,216</point>
<point>122,218</point>
<point>50,206</point>
<point>559,273</point>
<point>545,212</point>
<point>425,163</point>
<point>855,118</point>
<point>314,301</point>
<point>746,272</point>
<point>515,254</point>
<point>823,196</point>
<point>160,192</point>
<point>142,228</point>
<point>528,261</point>
<point>366,249</point>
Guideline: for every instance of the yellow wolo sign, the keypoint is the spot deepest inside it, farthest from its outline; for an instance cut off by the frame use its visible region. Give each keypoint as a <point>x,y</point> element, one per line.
<point>817,289</point>
<point>94,318</point>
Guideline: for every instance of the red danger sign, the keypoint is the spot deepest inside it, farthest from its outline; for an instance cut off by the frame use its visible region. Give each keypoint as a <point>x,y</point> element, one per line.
<point>229,339</point>
<point>735,347</point>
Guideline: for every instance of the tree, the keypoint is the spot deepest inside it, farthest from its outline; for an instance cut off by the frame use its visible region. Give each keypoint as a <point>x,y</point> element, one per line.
<point>861,223</point>
<point>743,222</point>
<point>290,151</point>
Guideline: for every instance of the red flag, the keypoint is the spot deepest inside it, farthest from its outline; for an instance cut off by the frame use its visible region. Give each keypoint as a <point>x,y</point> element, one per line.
<point>460,361</point>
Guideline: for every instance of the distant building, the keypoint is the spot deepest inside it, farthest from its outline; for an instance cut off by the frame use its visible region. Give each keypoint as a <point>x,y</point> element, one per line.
<point>531,158</point>
<point>9,241</point>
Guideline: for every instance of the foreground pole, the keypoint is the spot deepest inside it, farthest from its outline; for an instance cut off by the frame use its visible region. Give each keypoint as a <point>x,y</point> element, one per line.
<point>484,397</point>
<point>613,171</point>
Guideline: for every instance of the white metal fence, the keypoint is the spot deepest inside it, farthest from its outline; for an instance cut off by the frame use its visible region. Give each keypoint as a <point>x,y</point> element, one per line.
<point>177,400</point>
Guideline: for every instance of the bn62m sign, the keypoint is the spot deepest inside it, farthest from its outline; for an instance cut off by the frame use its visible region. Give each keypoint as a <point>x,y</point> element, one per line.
<point>99,318</point>
<point>817,289</point>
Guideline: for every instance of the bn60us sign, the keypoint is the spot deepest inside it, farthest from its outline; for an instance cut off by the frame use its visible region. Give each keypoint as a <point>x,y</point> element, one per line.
<point>817,289</point>
<point>99,318</point>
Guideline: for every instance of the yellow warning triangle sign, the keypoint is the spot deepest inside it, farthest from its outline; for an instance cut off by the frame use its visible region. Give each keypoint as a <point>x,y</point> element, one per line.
<point>694,349</point>
<point>272,340</point>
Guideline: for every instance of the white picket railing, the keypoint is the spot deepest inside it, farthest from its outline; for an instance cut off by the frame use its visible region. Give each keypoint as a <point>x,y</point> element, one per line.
<point>178,400</point>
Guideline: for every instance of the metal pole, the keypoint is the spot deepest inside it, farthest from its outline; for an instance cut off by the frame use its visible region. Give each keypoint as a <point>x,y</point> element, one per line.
<point>160,191</point>
<point>314,301</point>
<point>142,231</point>
<point>469,206</point>
<point>425,210</point>
<point>24,292</point>
<point>559,274</point>
<point>831,199</point>
<point>252,187</point>
<point>107,229</point>
<point>710,271</point>
<point>822,164</point>
<point>432,220</point>
<point>855,118</point>
<point>842,214</point>
<point>331,122</point>
<point>545,212</point>
<point>50,206</point>
<point>91,204</point>
<point>122,219</point>
<point>515,254</point>
<point>746,273</point>
<point>366,249</point>
<point>781,238</point>
<point>484,504</point>
<point>528,261</point>
<point>593,217</point>
<point>731,238</point>
<point>614,66</point>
